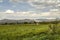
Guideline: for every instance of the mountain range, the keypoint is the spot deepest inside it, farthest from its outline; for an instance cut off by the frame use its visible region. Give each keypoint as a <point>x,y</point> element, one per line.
<point>25,20</point>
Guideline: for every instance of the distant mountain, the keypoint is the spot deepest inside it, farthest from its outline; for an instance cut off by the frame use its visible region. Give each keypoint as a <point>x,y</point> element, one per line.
<point>25,20</point>
<point>7,21</point>
<point>15,21</point>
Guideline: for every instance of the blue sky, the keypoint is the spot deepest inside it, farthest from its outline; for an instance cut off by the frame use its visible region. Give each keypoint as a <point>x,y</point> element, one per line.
<point>36,8</point>
<point>6,4</point>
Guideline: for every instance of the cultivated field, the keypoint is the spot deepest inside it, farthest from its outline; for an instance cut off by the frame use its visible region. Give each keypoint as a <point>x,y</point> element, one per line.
<point>29,32</point>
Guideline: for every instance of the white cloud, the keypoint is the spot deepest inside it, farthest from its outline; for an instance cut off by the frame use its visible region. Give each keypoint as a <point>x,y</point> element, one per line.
<point>45,14</point>
<point>9,11</point>
<point>1,0</point>
<point>58,5</point>
<point>54,10</point>
<point>20,0</point>
<point>51,18</point>
<point>13,0</point>
<point>28,14</point>
<point>39,4</point>
<point>48,1</point>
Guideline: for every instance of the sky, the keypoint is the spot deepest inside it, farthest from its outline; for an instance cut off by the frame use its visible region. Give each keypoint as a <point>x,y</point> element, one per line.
<point>29,9</point>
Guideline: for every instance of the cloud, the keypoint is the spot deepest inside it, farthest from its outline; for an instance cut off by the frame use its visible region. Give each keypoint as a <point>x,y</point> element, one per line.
<point>37,4</point>
<point>40,4</point>
<point>9,11</point>
<point>58,5</point>
<point>10,14</point>
<point>52,5</point>
<point>17,1</point>
<point>48,1</point>
<point>1,0</point>
<point>53,10</point>
<point>45,14</point>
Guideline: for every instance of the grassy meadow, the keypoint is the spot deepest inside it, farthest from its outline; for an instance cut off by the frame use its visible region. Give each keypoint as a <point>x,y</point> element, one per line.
<point>29,32</point>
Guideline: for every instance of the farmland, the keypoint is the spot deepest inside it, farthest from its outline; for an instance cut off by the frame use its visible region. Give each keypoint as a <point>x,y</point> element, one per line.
<point>28,32</point>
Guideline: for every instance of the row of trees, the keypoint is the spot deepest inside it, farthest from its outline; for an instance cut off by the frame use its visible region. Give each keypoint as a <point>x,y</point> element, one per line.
<point>52,22</point>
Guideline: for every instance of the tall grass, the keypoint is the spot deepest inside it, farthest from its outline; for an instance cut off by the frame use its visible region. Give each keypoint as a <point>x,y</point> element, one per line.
<point>27,32</point>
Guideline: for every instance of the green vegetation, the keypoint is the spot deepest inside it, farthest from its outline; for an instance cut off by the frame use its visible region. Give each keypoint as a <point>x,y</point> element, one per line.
<point>29,32</point>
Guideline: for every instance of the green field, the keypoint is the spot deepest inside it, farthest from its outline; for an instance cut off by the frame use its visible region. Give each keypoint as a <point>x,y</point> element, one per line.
<point>28,32</point>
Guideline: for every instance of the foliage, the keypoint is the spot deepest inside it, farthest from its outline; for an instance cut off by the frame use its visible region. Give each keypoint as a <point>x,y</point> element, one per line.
<point>29,32</point>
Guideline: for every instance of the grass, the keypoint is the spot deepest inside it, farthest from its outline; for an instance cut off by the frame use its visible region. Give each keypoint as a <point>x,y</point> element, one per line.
<point>25,32</point>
